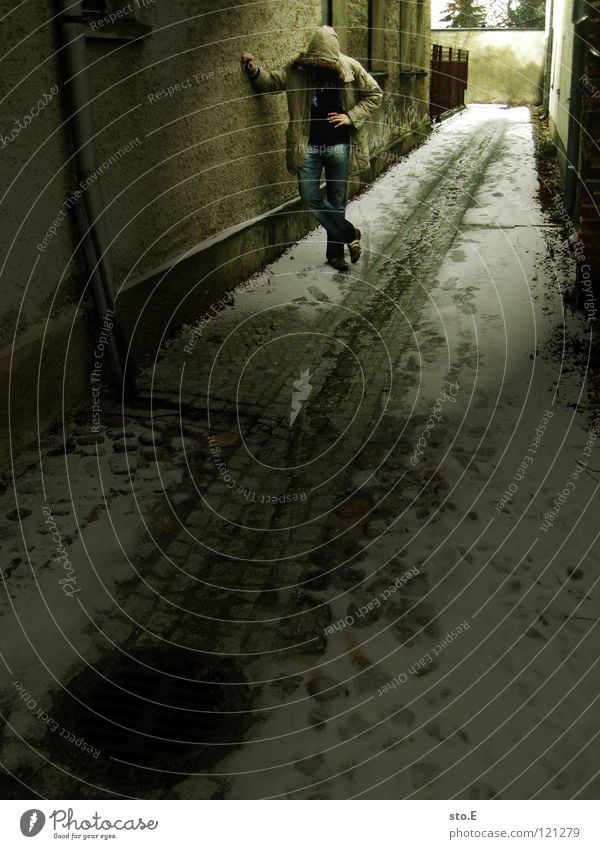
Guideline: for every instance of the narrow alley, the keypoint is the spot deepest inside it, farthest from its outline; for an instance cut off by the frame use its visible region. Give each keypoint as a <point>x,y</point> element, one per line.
<point>348,551</point>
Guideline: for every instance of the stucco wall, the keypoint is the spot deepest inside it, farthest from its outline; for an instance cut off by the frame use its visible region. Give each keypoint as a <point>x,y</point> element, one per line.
<point>204,157</point>
<point>505,66</point>
<point>34,180</point>
<point>212,152</point>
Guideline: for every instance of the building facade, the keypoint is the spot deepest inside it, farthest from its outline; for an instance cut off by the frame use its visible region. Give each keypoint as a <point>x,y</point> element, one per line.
<point>574,111</point>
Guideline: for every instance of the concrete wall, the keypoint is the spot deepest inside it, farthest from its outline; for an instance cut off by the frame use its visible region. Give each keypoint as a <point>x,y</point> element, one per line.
<point>213,154</point>
<point>180,169</point>
<point>39,290</point>
<point>505,66</point>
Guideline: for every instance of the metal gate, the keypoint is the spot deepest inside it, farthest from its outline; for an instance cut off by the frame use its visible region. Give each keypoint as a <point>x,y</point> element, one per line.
<point>449,73</point>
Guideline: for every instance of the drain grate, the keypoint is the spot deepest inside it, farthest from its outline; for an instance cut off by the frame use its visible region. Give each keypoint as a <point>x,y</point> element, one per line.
<point>159,710</point>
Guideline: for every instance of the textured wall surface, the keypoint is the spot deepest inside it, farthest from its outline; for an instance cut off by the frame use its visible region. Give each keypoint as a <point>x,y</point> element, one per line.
<point>35,177</point>
<point>211,155</point>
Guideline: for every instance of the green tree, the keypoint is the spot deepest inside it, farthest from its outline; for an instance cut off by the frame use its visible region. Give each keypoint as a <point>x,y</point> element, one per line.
<point>527,14</point>
<point>464,13</point>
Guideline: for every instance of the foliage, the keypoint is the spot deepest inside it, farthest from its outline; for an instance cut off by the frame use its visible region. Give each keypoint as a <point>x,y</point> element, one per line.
<point>464,13</point>
<point>527,14</point>
<point>509,14</point>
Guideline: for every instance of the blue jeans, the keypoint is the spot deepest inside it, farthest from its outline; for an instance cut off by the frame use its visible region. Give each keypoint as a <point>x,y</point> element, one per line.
<point>330,212</point>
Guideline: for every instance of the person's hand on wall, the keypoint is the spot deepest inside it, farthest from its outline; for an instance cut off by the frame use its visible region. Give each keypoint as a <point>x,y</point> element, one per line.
<point>338,119</point>
<point>248,62</point>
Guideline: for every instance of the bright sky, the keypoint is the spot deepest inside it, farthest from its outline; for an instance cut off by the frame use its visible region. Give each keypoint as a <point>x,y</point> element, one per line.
<point>436,10</point>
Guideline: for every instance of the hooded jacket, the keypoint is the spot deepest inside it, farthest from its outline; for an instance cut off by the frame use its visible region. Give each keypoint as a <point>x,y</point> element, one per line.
<point>359,93</point>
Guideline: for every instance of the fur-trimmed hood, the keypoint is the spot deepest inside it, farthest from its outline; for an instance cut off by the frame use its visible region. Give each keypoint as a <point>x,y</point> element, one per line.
<point>323,51</point>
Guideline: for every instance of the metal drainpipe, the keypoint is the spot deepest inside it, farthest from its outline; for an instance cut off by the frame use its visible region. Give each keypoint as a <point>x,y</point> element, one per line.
<point>94,237</point>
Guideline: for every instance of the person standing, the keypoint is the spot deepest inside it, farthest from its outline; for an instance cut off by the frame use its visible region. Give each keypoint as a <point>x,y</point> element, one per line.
<point>330,99</point>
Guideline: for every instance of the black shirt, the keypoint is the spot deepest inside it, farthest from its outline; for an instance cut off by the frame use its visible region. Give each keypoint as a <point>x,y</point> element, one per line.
<point>325,99</point>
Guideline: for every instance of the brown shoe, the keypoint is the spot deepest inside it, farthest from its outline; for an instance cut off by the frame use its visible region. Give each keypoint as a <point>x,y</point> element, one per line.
<point>339,263</point>
<point>355,248</point>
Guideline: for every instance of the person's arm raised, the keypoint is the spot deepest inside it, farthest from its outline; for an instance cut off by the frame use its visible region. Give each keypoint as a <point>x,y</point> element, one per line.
<point>263,81</point>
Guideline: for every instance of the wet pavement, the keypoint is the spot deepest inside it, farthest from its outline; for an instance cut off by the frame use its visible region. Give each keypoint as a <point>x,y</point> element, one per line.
<point>348,549</point>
